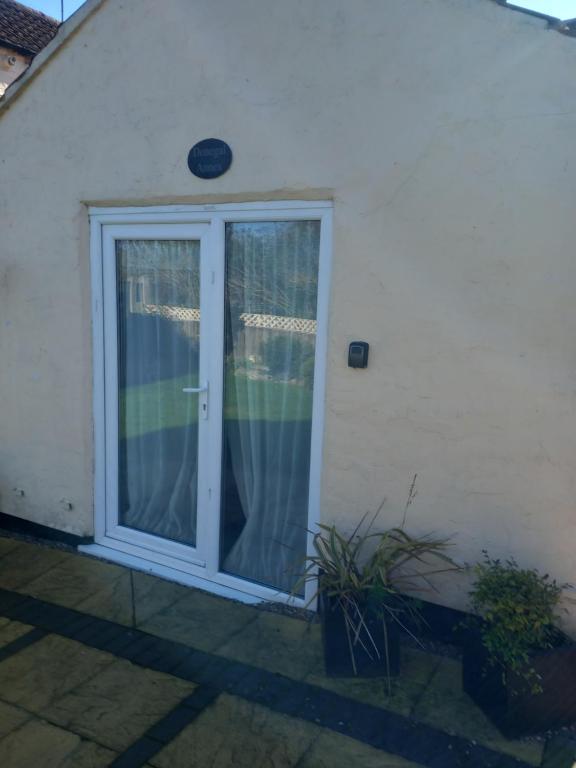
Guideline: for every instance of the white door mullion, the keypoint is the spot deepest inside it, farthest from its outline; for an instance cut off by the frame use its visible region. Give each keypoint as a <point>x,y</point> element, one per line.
<point>205,400</point>
<point>215,344</point>
<point>111,375</point>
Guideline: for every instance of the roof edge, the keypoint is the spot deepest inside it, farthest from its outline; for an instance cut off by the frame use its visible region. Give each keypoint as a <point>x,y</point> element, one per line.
<point>65,31</point>
<point>564,26</point>
<point>528,11</point>
<point>18,48</point>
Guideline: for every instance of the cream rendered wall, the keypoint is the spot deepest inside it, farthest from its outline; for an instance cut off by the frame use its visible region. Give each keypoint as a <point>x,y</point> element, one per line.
<point>444,132</point>
<point>12,64</point>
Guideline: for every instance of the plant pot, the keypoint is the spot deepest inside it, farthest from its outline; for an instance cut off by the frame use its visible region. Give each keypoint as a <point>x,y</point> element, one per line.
<point>376,652</point>
<point>507,699</point>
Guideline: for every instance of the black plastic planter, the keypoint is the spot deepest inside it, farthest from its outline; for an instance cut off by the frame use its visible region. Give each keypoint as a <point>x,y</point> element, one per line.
<point>382,661</point>
<point>511,706</point>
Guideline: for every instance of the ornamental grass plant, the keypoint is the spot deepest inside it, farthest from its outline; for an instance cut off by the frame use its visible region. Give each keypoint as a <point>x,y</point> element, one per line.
<point>370,572</point>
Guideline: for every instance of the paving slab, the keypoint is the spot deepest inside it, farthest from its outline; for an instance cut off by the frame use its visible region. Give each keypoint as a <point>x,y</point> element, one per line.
<point>11,718</point>
<point>27,562</point>
<point>281,644</point>
<point>118,705</point>
<point>560,752</point>
<point>38,744</point>
<point>200,620</point>
<point>74,580</point>
<point>233,732</point>
<point>47,670</point>
<point>444,705</point>
<point>113,703</point>
<point>7,545</point>
<point>112,602</point>
<point>89,755</point>
<point>398,695</point>
<point>12,630</point>
<point>332,750</point>
<point>153,595</point>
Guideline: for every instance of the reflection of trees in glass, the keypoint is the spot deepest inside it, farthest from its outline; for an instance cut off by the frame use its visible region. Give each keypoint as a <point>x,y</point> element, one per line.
<point>272,268</point>
<point>168,271</point>
<point>288,356</point>
<point>177,288</point>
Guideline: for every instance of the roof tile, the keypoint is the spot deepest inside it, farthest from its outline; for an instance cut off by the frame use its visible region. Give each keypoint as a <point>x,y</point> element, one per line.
<point>24,28</point>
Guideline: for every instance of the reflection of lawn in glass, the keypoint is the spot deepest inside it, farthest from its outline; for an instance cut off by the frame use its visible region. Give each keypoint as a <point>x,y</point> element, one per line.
<point>163,405</point>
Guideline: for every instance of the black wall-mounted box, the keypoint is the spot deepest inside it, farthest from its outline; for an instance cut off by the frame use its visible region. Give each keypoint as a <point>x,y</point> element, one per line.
<point>358,354</point>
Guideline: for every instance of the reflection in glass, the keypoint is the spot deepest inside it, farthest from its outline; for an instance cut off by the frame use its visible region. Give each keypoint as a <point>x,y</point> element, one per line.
<point>158,347</point>
<point>270,318</point>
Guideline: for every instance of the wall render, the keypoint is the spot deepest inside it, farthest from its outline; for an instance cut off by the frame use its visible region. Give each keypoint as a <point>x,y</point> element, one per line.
<point>443,131</point>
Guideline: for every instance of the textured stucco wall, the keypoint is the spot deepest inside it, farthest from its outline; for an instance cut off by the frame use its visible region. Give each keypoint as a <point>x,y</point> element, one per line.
<point>444,132</point>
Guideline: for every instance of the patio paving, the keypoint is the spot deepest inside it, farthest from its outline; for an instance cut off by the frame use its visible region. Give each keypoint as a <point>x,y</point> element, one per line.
<point>101,665</point>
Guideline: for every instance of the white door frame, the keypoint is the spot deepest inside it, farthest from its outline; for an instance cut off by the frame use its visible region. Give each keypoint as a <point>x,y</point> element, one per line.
<point>174,561</point>
<point>113,530</point>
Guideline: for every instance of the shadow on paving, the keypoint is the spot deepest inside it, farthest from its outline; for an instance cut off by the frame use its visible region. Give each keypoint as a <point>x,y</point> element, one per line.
<point>101,665</point>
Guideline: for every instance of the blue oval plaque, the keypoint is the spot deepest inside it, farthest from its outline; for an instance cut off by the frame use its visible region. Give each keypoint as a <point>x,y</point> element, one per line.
<point>209,158</point>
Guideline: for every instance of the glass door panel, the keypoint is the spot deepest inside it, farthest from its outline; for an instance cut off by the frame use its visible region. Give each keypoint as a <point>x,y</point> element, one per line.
<point>208,358</point>
<point>271,286</point>
<point>158,353</point>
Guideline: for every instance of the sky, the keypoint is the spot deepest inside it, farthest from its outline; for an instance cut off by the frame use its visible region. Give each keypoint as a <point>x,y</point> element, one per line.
<point>562,9</point>
<point>52,7</point>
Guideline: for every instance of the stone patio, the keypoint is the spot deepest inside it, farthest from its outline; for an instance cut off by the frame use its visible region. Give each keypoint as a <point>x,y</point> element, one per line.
<point>101,665</point>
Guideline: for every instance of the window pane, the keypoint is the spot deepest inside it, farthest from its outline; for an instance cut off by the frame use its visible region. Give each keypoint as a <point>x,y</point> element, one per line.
<point>158,353</point>
<point>270,335</point>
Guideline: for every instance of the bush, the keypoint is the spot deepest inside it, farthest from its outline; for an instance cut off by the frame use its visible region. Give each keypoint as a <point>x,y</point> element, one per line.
<point>518,607</point>
<point>288,356</point>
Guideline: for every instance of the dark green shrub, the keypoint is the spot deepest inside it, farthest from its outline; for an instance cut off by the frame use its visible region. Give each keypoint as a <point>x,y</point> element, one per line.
<point>288,356</point>
<point>518,607</point>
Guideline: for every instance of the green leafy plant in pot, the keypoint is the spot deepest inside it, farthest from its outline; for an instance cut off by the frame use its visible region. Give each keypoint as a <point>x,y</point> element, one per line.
<point>361,583</point>
<point>517,665</point>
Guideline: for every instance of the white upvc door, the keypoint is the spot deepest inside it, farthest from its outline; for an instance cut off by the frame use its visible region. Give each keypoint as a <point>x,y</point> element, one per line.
<point>210,332</point>
<point>159,282</point>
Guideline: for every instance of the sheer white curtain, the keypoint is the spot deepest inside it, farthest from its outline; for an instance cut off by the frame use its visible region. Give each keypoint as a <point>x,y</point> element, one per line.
<point>271,291</point>
<point>158,345</point>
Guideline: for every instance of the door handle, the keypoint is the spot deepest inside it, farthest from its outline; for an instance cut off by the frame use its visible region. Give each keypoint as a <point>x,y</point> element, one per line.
<point>203,403</point>
<point>195,390</point>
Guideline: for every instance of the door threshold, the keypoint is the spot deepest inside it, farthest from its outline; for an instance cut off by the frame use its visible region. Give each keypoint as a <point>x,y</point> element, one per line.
<point>136,563</point>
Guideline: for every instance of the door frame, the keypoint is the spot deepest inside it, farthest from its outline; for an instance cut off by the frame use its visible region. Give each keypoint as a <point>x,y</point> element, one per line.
<point>206,576</point>
<point>113,529</point>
